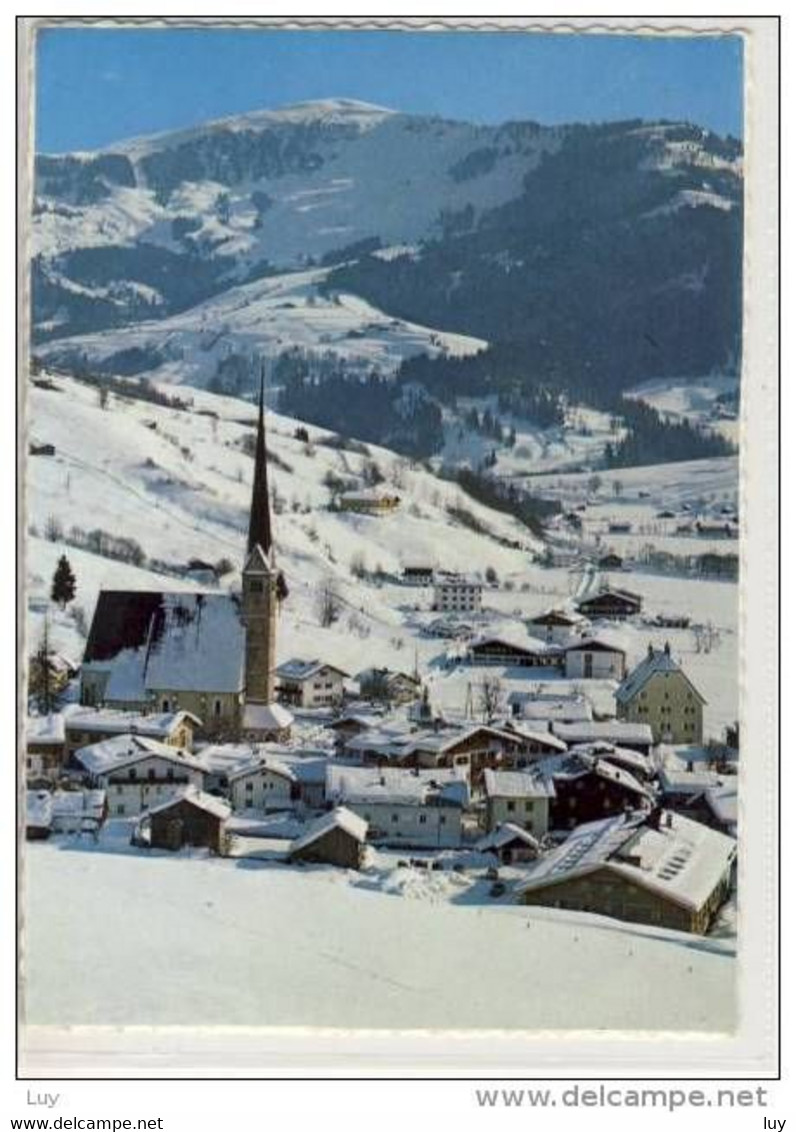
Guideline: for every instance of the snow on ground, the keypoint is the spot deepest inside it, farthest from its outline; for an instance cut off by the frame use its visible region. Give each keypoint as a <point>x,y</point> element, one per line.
<point>182,490</point>
<point>578,443</point>
<point>265,318</point>
<point>694,400</point>
<point>202,941</point>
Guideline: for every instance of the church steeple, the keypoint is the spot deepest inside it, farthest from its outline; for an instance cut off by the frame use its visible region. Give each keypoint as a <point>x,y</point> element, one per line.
<point>260,514</point>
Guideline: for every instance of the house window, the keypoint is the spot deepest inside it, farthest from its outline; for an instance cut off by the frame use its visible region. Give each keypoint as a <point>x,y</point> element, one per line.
<point>216,708</point>
<point>170,774</point>
<point>132,773</point>
<point>422,819</point>
<point>442,819</point>
<point>249,787</point>
<point>120,809</point>
<point>164,705</point>
<point>393,818</point>
<point>255,586</point>
<point>151,774</point>
<point>528,807</point>
<point>510,807</point>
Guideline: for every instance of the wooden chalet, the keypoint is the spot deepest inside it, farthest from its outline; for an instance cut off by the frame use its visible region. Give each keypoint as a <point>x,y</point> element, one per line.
<point>610,604</point>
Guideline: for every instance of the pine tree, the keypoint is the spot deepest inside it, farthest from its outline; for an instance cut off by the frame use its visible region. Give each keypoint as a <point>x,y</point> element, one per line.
<point>64,586</point>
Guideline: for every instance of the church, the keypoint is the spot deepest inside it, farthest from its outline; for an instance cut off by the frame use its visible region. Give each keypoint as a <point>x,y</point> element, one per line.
<point>212,654</point>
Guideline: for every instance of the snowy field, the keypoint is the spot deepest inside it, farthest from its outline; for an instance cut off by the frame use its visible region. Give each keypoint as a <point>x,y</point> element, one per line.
<point>114,936</point>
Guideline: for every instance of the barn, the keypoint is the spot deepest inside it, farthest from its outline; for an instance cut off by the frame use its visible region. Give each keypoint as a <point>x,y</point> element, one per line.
<point>192,818</point>
<point>336,838</point>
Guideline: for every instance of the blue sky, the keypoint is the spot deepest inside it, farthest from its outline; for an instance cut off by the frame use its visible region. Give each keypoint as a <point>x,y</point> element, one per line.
<point>98,85</point>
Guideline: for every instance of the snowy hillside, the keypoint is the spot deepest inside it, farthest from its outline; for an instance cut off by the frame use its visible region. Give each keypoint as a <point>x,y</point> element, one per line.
<point>179,484</point>
<point>261,319</point>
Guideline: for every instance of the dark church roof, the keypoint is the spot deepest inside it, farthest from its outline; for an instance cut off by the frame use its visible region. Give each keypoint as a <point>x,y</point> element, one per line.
<point>260,515</point>
<point>166,641</point>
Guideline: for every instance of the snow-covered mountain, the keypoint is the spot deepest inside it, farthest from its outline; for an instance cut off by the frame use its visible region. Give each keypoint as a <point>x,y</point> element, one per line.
<point>448,224</point>
<point>270,188</point>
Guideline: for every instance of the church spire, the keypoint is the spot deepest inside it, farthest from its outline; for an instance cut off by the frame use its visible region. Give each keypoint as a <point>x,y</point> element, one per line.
<point>260,514</point>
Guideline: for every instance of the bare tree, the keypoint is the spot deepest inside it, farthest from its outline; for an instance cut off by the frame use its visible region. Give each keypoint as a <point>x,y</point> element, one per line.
<point>329,603</point>
<point>490,696</point>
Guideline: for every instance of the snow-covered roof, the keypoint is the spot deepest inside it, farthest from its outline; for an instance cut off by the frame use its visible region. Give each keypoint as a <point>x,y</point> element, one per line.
<point>300,670</point>
<point>38,809</point>
<point>516,640</point>
<point>543,738</point>
<point>369,495</point>
<point>557,617</point>
<point>656,662</point>
<point>634,761</point>
<point>595,643</point>
<point>109,755</point>
<point>218,807</point>
<point>678,780</point>
<point>518,784</point>
<point>393,785</point>
<point>152,641</point>
<point>723,803</point>
<point>612,730</point>
<point>266,717</point>
<point>679,859</point>
<point>339,818</point>
<point>45,729</point>
<point>76,803</point>
<point>622,596</point>
<point>261,765</point>
<point>505,834</point>
<point>133,723</point>
<point>547,707</point>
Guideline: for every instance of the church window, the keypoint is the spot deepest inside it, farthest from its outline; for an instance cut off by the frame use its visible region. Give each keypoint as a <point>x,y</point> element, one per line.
<point>255,586</point>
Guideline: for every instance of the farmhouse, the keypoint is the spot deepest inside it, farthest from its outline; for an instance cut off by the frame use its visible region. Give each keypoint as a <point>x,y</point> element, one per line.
<point>610,604</point>
<point>210,654</point>
<point>337,838</point>
<point>386,686</point>
<point>659,869</point>
<point>264,784</point>
<point>506,650</point>
<point>369,501</point>
<point>588,788</point>
<point>138,773</point>
<point>556,625</point>
<point>546,708</point>
<point>310,683</point>
<point>45,742</point>
<point>403,807</point>
<point>191,818</point>
<point>418,575</point>
<point>454,593</point>
<point>636,736</point>
<point>520,797</point>
<point>594,658</point>
<point>510,843</point>
<point>174,728</point>
<point>659,693</point>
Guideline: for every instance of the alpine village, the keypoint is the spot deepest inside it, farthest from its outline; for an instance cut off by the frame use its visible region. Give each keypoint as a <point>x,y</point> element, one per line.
<point>179,732</point>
